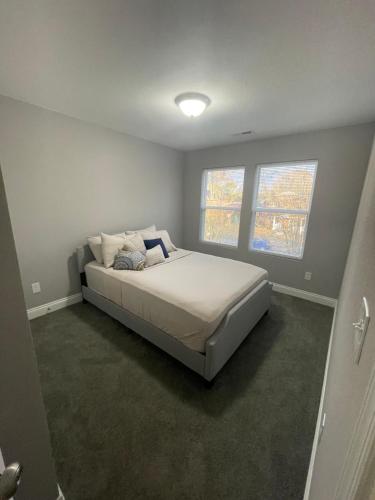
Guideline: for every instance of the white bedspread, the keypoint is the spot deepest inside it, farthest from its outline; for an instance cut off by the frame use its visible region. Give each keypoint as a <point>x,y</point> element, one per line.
<point>187,296</point>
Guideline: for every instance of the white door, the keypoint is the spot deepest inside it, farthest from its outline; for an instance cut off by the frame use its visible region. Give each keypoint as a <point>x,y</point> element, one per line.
<point>24,433</point>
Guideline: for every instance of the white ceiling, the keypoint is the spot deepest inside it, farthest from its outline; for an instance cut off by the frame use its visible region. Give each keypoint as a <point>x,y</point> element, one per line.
<point>272,66</point>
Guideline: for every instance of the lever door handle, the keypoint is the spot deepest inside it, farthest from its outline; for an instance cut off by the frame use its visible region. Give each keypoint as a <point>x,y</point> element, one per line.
<point>9,481</point>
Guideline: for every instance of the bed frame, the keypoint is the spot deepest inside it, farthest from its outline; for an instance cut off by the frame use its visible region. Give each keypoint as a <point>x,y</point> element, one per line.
<point>220,346</point>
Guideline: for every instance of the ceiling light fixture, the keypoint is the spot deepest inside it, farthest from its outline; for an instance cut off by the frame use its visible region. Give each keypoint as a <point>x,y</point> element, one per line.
<point>192,104</point>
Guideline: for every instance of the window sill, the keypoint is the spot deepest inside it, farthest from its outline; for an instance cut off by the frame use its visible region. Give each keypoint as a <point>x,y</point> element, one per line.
<point>224,245</point>
<point>275,254</point>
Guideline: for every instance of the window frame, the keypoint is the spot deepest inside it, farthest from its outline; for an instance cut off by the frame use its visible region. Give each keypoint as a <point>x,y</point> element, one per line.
<point>203,208</point>
<point>254,209</point>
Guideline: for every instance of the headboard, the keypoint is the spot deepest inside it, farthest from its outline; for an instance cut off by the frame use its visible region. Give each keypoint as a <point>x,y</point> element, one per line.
<point>84,256</point>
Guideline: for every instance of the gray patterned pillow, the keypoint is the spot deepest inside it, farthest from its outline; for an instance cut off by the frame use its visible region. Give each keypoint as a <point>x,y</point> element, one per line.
<point>130,261</point>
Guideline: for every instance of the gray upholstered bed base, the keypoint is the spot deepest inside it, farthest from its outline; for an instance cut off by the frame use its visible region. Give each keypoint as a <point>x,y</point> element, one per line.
<point>234,328</point>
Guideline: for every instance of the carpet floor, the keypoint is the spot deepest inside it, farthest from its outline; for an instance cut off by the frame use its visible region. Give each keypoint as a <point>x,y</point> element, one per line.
<point>129,422</point>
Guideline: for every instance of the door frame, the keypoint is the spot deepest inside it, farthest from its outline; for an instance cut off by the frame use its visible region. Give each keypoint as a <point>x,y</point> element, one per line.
<point>360,456</point>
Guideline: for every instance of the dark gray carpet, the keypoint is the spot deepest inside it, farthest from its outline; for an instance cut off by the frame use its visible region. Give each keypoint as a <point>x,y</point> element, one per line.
<point>128,422</point>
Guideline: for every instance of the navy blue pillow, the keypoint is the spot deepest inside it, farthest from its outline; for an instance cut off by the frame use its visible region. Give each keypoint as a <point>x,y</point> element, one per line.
<point>154,243</point>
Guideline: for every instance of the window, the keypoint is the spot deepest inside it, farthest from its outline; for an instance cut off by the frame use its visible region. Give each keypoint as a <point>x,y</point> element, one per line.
<point>281,208</point>
<point>221,205</point>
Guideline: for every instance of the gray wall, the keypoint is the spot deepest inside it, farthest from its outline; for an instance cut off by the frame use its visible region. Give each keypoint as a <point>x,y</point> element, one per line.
<point>343,155</point>
<point>23,428</point>
<point>347,382</point>
<point>66,179</point>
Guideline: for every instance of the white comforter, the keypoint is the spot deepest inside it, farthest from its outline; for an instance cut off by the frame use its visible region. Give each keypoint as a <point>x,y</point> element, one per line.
<point>187,296</point>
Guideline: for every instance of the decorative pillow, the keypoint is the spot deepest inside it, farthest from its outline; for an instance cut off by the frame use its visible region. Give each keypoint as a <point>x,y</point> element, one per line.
<point>130,261</point>
<point>153,243</point>
<point>163,234</point>
<point>151,228</point>
<point>134,242</point>
<point>111,244</point>
<point>154,256</point>
<point>95,244</point>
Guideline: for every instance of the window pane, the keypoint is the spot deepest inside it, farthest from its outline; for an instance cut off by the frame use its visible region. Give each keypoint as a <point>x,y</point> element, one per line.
<point>286,186</point>
<point>223,188</point>
<point>221,226</point>
<point>279,233</point>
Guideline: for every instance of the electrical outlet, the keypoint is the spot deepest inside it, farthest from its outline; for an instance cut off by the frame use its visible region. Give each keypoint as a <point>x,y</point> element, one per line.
<point>308,275</point>
<point>36,287</point>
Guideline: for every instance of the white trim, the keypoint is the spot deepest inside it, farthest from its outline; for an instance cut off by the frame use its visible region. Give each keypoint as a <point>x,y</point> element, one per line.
<point>276,254</point>
<point>216,244</point>
<point>303,294</point>
<point>306,495</point>
<point>35,312</point>
<point>360,448</point>
<point>61,495</point>
<point>218,207</point>
<point>203,207</point>
<point>293,211</point>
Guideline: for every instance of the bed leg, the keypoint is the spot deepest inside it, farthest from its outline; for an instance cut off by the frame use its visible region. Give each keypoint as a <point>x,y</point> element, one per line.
<point>209,383</point>
<point>83,280</point>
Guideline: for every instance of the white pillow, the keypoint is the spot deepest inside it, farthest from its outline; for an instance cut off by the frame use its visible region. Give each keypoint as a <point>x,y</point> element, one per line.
<point>154,256</point>
<point>95,244</point>
<point>111,244</point>
<point>151,228</point>
<point>163,234</point>
<point>134,243</point>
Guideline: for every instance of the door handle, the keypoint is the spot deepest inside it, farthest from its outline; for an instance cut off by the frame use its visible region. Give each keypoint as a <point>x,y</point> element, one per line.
<point>358,325</point>
<point>9,481</point>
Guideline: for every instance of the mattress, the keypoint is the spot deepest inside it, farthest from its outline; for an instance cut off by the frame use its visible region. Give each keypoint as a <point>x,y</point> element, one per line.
<point>187,296</point>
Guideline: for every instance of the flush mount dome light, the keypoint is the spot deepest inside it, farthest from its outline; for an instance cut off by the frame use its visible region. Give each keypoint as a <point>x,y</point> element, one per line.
<point>192,104</point>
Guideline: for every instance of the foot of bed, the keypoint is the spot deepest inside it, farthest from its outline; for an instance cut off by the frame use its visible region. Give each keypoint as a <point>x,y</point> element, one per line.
<point>209,383</point>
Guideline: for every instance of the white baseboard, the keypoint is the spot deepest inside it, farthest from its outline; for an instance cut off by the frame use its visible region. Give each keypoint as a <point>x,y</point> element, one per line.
<point>61,495</point>
<point>314,449</point>
<point>35,312</point>
<point>303,294</point>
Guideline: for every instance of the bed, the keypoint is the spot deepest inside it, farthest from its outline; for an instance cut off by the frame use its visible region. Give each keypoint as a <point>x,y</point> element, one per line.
<point>196,307</point>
